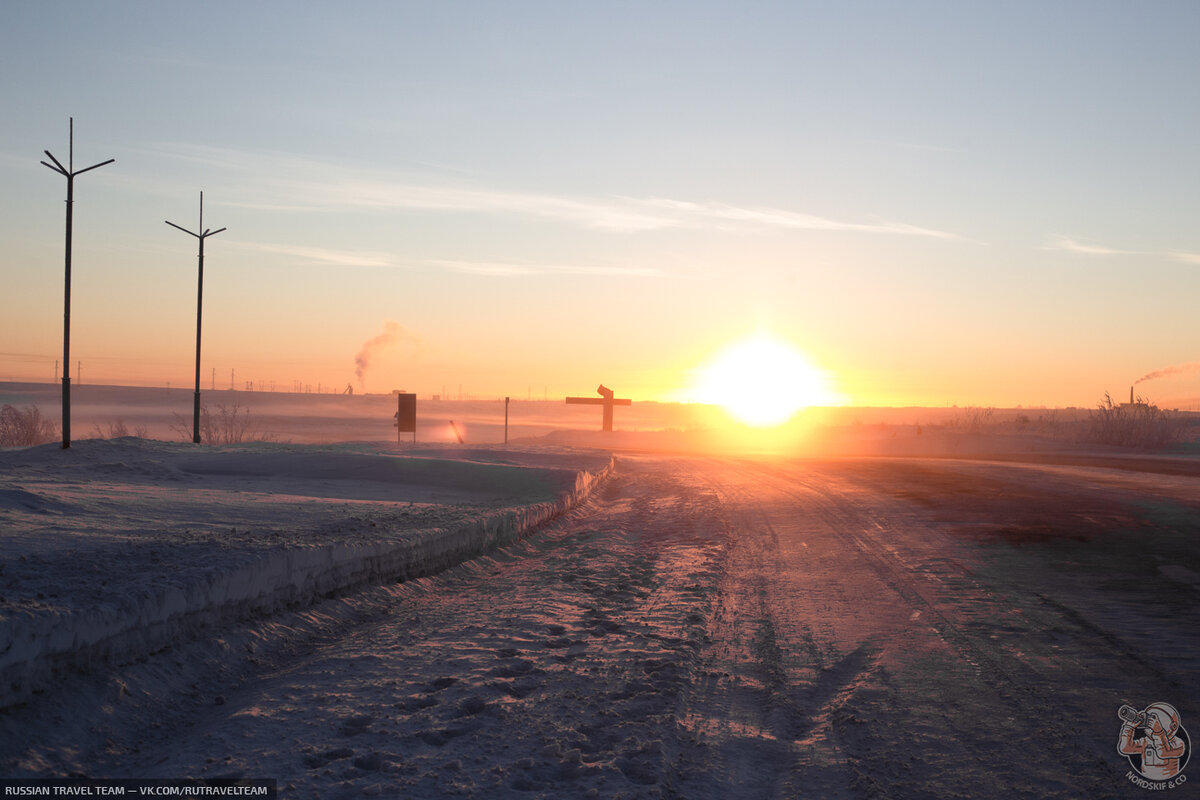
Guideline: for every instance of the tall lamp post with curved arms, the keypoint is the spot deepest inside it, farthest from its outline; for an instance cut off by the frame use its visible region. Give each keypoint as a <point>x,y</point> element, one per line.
<point>69,172</point>
<point>202,235</point>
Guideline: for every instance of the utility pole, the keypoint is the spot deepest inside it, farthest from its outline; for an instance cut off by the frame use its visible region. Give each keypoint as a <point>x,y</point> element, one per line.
<point>69,172</point>
<point>202,235</point>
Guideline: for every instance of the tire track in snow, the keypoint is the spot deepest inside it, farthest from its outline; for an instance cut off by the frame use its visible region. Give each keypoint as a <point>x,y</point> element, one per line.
<point>758,715</point>
<point>975,720</point>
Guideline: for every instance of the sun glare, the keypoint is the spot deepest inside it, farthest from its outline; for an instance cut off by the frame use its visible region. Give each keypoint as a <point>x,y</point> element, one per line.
<point>762,381</point>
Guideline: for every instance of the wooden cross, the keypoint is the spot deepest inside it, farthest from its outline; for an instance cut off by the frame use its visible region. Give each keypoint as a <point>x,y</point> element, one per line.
<point>606,399</point>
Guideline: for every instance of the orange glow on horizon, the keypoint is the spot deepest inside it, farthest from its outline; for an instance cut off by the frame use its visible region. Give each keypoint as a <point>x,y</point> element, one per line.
<point>762,381</point>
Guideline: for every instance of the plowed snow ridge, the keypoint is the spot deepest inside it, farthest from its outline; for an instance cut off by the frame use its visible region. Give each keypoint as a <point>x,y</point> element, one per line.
<point>40,640</point>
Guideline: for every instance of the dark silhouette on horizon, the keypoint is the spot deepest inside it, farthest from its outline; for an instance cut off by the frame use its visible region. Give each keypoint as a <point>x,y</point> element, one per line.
<point>607,400</point>
<point>69,172</point>
<point>202,235</point>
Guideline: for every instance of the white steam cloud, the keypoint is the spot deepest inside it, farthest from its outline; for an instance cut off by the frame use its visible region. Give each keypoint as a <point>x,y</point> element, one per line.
<point>1177,369</point>
<point>393,333</point>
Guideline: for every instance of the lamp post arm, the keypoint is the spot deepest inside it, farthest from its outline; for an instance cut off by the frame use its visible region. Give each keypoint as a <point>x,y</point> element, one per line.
<point>57,165</point>
<point>94,166</point>
<point>185,230</point>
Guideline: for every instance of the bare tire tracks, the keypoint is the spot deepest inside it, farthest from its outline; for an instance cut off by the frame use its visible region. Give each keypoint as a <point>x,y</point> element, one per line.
<point>856,653</point>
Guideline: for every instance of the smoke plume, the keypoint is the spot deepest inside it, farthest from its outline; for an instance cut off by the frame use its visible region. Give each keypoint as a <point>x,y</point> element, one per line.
<point>1178,369</point>
<point>393,333</point>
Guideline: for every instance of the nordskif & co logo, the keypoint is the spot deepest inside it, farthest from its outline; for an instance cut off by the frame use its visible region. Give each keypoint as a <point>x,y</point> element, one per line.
<point>1156,744</point>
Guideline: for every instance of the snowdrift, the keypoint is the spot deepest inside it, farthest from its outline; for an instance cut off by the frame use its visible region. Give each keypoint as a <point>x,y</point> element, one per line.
<point>89,578</point>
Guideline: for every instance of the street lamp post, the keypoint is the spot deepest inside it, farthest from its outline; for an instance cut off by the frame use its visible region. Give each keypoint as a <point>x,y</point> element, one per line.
<point>201,236</point>
<point>69,172</point>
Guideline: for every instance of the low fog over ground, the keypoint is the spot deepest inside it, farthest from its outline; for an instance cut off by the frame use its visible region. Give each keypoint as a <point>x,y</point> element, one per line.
<point>161,413</point>
<point>652,613</point>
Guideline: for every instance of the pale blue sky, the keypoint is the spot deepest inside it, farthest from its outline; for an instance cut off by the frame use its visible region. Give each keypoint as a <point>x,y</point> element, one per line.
<point>939,202</point>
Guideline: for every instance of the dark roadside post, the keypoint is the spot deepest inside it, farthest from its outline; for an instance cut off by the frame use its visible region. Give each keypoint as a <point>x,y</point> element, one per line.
<point>202,235</point>
<point>406,415</point>
<point>69,172</point>
<point>506,419</point>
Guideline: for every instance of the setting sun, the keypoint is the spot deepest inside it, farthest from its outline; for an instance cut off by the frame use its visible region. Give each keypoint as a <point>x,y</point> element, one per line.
<point>762,381</point>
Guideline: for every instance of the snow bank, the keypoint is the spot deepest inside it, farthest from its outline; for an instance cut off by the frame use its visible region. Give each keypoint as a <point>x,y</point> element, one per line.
<point>40,641</point>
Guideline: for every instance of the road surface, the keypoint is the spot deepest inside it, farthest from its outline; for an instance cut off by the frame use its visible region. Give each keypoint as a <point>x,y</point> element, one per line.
<point>717,628</point>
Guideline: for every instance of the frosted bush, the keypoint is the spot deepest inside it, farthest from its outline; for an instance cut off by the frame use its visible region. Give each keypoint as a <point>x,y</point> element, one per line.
<point>24,427</point>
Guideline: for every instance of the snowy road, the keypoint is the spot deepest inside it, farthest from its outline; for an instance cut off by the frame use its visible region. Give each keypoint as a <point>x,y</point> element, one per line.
<point>714,628</point>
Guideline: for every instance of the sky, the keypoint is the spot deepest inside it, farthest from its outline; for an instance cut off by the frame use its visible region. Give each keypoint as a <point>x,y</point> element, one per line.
<point>936,203</point>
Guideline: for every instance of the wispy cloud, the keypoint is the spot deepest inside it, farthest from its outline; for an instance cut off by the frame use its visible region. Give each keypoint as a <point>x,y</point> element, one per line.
<point>610,214</point>
<point>782,218</point>
<point>495,268</point>
<point>614,213</point>
<point>322,255</point>
<point>514,269</point>
<point>282,181</point>
<point>1069,245</point>
<point>1186,258</point>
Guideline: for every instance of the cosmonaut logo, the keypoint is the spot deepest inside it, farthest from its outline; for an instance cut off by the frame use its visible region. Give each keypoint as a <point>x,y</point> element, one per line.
<point>1156,744</point>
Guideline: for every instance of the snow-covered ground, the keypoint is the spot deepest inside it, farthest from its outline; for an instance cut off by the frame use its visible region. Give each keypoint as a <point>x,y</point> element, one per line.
<point>116,548</point>
<point>646,626</point>
<point>699,627</point>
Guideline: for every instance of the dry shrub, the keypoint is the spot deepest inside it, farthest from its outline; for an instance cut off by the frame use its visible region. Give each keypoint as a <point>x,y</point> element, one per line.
<point>230,425</point>
<point>24,427</point>
<point>117,430</point>
<point>976,418</point>
<point>1139,424</point>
